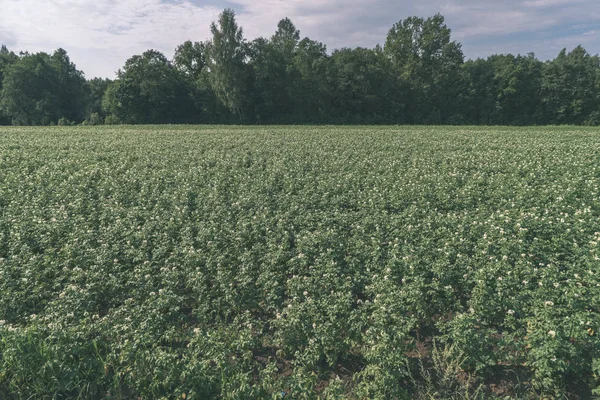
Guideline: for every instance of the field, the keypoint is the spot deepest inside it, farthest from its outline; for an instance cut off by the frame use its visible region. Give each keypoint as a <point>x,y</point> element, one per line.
<point>299,262</point>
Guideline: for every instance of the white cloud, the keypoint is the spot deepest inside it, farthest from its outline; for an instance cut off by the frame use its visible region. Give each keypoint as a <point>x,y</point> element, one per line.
<point>101,34</point>
<point>507,26</point>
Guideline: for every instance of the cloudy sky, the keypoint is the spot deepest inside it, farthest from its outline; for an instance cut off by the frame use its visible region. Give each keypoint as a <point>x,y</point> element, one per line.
<point>100,35</point>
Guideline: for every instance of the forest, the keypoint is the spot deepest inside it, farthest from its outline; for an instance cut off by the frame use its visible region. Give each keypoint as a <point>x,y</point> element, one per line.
<point>418,76</point>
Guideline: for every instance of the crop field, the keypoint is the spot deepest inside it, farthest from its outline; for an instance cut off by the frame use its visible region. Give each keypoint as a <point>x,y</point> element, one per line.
<point>299,262</point>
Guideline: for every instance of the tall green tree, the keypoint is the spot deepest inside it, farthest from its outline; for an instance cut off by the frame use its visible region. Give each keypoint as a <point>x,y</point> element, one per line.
<point>286,39</point>
<point>273,70</point>
<point>190,58</point>
<point>269,86</point>
<point>423,54</point>
<point>95,90</point>
<point>71,86</point>
<point>517,80</point>
<point>570,91</point>
<point>6,58</point>
<point>226,61</point>
<point>365,90</point>
<point>311,89</point>
<point>285,43</point>
<point>40,89</point>
<point>191,61</point>
<point>480,91</point>
<point>149,90</point>
<point>504,90</point>
<point>419,76</point>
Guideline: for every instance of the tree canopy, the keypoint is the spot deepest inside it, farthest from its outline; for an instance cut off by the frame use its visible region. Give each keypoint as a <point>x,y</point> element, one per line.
<point>418,76</point>
<point>149,90</point>
<point>38,89</point>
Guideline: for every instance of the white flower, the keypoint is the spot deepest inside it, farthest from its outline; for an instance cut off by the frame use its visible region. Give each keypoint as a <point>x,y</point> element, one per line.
<point>549,303</point>
<point>510,312</point>
<point>552,333</point>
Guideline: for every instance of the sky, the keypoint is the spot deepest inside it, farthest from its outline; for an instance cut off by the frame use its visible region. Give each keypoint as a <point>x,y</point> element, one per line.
<point>99,35</point>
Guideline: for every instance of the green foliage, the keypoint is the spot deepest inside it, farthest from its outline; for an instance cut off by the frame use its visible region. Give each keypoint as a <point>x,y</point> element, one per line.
<point>95,91</point>
<point>150,91</point>
<point>441,376</point>
<point>190,58</point>
<point>423,54</point>
<point>419,76</point>
<point>226,54</point>
<point>111,120</point>
<point>65,122</point>
<point>311,90</point>
<point>93,119</point>
<point>40,89</point>
<point>570,92</point>
<point>504,90</point>
<point>335,262</point>
<point>361,78</point>
<point>6,58</point>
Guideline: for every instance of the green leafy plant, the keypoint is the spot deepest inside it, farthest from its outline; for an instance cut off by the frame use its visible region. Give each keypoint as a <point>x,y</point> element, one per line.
<point>299,262</point>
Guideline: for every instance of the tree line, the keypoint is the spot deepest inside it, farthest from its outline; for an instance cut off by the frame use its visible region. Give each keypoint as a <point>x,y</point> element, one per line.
<point>419,76</point>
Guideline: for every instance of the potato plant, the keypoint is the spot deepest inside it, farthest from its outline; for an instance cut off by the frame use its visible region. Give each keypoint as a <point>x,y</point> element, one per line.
<point>299,262</point>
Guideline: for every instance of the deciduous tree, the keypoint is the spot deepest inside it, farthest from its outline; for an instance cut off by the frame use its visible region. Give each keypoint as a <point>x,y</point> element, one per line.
<point>226,61</point>
<point>149,90</point>
<point>40,89</point>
